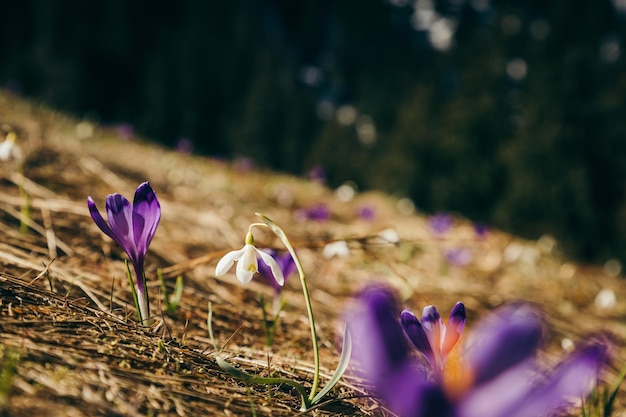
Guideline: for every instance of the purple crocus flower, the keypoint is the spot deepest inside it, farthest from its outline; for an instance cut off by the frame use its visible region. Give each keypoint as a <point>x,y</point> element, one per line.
<point>367,213</point>
<point>431,337</point>
<point>184,145</point>
<point>132,227</point>
<point>319,213</point>
<point>125,130</point>
<point>287,265</point>
<point>440,223</point>
<point>496,375</point>
<point>317,174</point>
<point>481,230</point>
<point>458,257</point>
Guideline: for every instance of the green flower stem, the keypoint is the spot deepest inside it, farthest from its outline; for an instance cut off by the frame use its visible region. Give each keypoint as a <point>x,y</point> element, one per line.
<point>307,298</point>
<point>133,289</point>
<point>141,304</point>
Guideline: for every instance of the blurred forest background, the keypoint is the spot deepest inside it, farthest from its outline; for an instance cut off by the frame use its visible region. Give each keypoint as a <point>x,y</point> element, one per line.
<point>511,113</point>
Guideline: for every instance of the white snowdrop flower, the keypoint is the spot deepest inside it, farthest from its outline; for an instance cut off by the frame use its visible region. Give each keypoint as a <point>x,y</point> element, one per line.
<point>247,263</point>
<point>339,249</point>
<point>567,344</point>
<point>605,299</point>
<point>9,149</point>
<point>389,236</point>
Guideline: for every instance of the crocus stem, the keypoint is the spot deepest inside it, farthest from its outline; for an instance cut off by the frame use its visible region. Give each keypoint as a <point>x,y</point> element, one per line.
<point>143,308</point>
<point>133,288</point>
<point>144,302</point>
<point>307,298</point>
<point>140,292</point>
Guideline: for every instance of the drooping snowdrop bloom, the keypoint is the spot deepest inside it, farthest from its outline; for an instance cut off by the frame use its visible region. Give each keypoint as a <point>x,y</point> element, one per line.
<point>132,227</point>
<point>497,374</point>
<point>247,262</point>
<point>9,149</point>
<point>338,248</point>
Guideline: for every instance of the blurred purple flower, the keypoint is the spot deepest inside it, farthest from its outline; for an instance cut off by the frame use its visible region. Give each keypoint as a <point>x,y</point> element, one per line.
<point>496,376</point>
<point>459,257</point>
<point>125,131</point>
<point>243,164</point>
<point>481,230</point>
<point>317,174</point>
<point>285,263</point>
<point>366,213</point>
<point>440,223</point>
<point>13,87</point>
<point>132,227</point>
<point>431,337</point>
<point>318,213</point>
<point>184,145</point>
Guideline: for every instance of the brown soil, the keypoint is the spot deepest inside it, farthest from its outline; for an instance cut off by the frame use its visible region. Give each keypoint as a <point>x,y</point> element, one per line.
<point>69,343</point>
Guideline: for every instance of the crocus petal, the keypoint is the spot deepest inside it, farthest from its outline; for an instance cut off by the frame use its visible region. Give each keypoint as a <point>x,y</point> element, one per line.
<point>407,393</point>
<point>146,216</point>
<point>287,264</point>
<point>510,336</point>
<point>495,397</point>
<point>99,220</point>
<point>273,265</point>
<point>433,326</point>
<point>416,334</point>
<point>571,381</point>
<point>381,350</point>
<point>120,213</point>
<point>454,328</point>
<point>379,343</point>
<point>227,262</point>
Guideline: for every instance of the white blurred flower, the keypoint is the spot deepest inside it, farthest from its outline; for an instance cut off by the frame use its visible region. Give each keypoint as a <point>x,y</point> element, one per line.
<point>9,149</point>
<point>605,299</point>
<point>339,249</point>
<point>389,235</point>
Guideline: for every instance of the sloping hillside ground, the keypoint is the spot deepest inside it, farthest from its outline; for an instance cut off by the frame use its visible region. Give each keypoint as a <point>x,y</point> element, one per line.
<point>68,341</point>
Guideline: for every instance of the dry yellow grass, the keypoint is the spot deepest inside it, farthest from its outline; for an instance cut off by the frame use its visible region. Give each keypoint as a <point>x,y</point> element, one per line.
<point>66,313</point>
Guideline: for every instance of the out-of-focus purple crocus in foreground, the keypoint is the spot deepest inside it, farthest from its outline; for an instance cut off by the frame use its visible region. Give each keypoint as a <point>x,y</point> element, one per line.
<point>431,337</point>
<point>496,374</point>
<point>132,227</point>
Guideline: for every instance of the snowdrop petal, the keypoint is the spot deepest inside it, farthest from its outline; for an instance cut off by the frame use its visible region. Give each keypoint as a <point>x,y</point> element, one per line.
<point>247,265</point>
<point>273,265</point>
<point>227,262</point>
